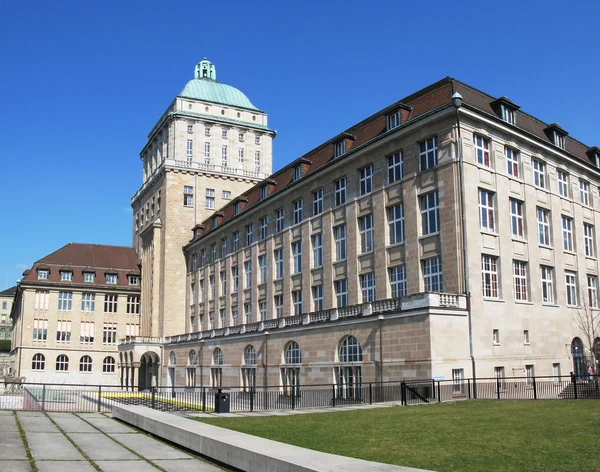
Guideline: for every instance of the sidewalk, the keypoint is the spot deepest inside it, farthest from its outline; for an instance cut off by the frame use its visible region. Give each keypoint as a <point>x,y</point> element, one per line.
<point>86,442</point>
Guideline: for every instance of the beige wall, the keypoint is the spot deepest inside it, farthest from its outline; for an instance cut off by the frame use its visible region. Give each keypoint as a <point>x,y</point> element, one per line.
<point>5,322</point>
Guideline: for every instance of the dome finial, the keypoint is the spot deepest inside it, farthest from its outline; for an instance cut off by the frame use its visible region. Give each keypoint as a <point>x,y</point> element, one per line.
<point>205,70</point>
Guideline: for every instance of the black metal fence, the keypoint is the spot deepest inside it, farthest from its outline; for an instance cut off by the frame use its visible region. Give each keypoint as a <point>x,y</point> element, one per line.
<point>101,398</point>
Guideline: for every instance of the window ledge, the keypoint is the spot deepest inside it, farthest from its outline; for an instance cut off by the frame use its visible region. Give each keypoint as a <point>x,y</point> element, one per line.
<point>518,239</point>
<point>570,252</point>
<point>523,302</point>
<point>494,300</point>
<point>496,344</point>
<point>366,253</point>
<point>591,258</point>
<point>488,231</point>
<point>552,305</point>
<point>390,246</point>
<point>429,235</point>
<point>546,246</point>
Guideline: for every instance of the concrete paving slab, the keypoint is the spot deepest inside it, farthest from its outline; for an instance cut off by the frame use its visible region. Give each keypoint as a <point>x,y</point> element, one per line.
<point>6,413</point>
<point>8,424</point>
<point>11,446</point>
<point>130,466</point>
<point>101,448</point>
<point>37,425</point>
<point>64,466</point>
<point>107,425</point>
<point>51,446</point>
<point>69,423</point>
<point>16,466</point>
<point>149,448</point>
<point>31,413</point>
<point>187,465</point>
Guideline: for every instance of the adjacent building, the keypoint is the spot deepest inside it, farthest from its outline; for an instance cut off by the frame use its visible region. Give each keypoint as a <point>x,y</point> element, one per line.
<point>70,309</point>
<point>6,301</point>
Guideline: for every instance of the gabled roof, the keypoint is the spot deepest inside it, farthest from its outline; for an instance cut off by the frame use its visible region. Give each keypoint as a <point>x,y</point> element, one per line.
<point>9,292</point>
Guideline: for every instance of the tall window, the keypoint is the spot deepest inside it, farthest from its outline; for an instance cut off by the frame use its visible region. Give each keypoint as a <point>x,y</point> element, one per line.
<point>365,225</point>
<point>567,232</point>
<point>457,381</point>
<point>249,234</point>
<point>339,236</point>
<point>110,303</point>
<point>317,245</point>
<point>430,213</point>
<point>235,279</point>
<point>278,302</point>
<point>133,304</point>
<point>262,267</point>
<point>256,161</point>
<point>40,329</point>
<point>317,293</point>
<point>87,332</point>
<point>367,285</point>
<point>262,310</point>
<point>563,183</point>
<point>297,256</point>
<point>223,247</point>
<point>396,223</point>
<point>278,263</point>
<point>207,153</point>
<point>290,373</point>
<point>571,288</point>
<point>109,333</point>
<point>190,148</point>
<point>512,161</point>
<point>38,362</point>
<point>516,218</point>
<point>42,299</point>
<point>341,292</point>
<point>486,210</point>
<point>395,167</point>
<point>249,369</point>
<point>65,301</point>
<point>543,220</point>
<point>88,302</point>
<point>520,280</point>
<point>223,280</point>
<point>397,281</point>
<point>236,241</point>
<point>264,225</point>
<point>190,371</point>
<point>348,377</point>
<point>499,375</point>
<point>63,331</point>
<point>489,276</point>
<point>216,369</point>
<point>592,289</point>
<point>432,274</point>
<point>213,252</point>
<point>482,150</point>
<point>188,196</point>
<point>211,284</point>
<point>366,180</point>
<point>428,153</point>
<point>547,280</point>
<point>248,273</point>
<point>588,238</point>
<point>279,214</point>
<point>241,157</point>
<point>297,211</point>
<point>297,301</point>
<point>62,363</point>
<point>584,192</point>
<point>340,192</point>
<point>539,173</point>
<point>318,202</point>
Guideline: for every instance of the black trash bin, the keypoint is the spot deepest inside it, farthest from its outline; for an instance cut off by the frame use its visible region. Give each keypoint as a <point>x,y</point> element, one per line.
<point>221,402</point>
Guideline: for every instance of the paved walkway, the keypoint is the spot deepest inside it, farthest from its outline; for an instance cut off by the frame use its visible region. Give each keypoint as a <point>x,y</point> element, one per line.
<point>85,442</point>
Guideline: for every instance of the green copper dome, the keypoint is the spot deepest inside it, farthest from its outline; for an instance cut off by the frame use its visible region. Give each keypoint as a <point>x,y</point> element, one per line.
<point>204,86</point>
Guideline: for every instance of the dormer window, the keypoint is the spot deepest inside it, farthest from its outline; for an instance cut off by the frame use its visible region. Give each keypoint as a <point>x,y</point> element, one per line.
<point>297,172</point>
<point>89,277</point>
<point>111,279</point>
<point>66,276</point>
<point>43,274</point>
<point>393,120</point>
<point>593,154</point>
<point>134,280</point>
<point>509,115</point>
<point>264,192</point>
<point>339,148</point>
<point>236,208</point>
<point>214,222</point>
<point>505,109</point>
<point>559,140</point>
<point>556,135</point>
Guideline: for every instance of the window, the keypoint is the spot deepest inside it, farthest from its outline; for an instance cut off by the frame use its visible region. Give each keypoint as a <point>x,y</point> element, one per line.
<point>539,173</point>
<point>211,287</point>
<point>63,331</point>
<point>262,268</point>
<point>88,302</point>
<point>236,208</point>
<point>86,332</point>
<point>278,301</point>
<point>297,173</point>
<point>486,210</point>
<point>224,156</point>
<point>278,263</point>
<point>133,304</point>
<point>496,336</point>
<point>584,192</point>
<point>206,131</point>
<point>111,279</point>
<point>489,276</point>
<point>249,233</point>
<point>297,211</point>
<point>339,148</point>
<point>202,258</point>
<point>42,299</point>
<point>133,280</point>
<point>509,115</point>
<point>367,285</point>
<point>65,301</point>
<point>366,180</point>
<point>297,301</point>
<point>393,120</point>
<point>339,236</point>
<point>109,333</point>
<point>290,374</point>
<point>40,329</point>
<point>256,161</point>
<point>317,294</point>
<point>235,278</point>
<point>365,225</point>
<point>42,274</point>
<point>89,277</point>
<point>264,192</point>
<point>317,245</point>
<point>348,378</point>
<point>563,183</point>
<point>430,213</point>
<point>512,161</point>
<point>202,293</point>
<point>588,237</point>
<point>547,279</point>
<point>207,153</point>
<point>234,316</point>
<point>529,374</point>
<point>108,365</point>
<point>543,220</point>
<point>224,133</point>
<point>241,137</point>
<point>223,281</point>
<point>340,192</point>
<point>432,274</point>
<point>223,247</point>
<point>66,276</point>
<point>226,195</point>
<point>341,292</point>
<point>396,223</point>
<point>38,362</point>
<point>567,231</point>
<point>520,280</point>
<point>190,148</point>
<point>188,196</point>
<point>110,303</point>
<point>256,139</point>
<point>525,336</point>
<point>240,157</point>
<point>209,203</point>
<point>559,140</point>
<point>249,372</point>
<point>279,220</point>
<point>248,273</point>
<point>516,218</point>
<point>556,372</point>
<point>318,202</point>
<point>592,288</point>
<point>297,256</point>
<point>397,281</point>
<point>428,154</point>
<point>457,380</point>
<point>571,288</point>
<point>211,319</point>
<point>236,241</point>
<point>499,374</point>
<point>482,150</point>
<point>62,363</point>
<point>264,225</point>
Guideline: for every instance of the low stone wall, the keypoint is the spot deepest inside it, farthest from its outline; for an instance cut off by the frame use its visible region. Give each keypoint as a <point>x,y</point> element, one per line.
<point>240,450</point>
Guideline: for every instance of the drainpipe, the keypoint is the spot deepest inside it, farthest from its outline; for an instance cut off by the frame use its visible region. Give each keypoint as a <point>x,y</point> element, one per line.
<point>380,348</point>
<point>457,100</point>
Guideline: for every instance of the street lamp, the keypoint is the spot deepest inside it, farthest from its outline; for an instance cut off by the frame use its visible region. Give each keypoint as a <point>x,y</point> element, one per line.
<point>457,99</point>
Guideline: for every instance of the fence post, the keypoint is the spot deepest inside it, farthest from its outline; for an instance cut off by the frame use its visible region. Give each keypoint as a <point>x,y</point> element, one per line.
<point>498,386</point>
<point>574,381</point>
<point>370,393</point>
<point>439,392</point>
<point>469,387</point>
<point>474,389</point>
<point>44,397</point>
<point>99,397</point>
<point>403,393</point>
<point>204,399</point>
<point>534,389</point>
<point>333,396</point>
<point>293,397</point>
<point>153,404</point>
<point>433,387</point>
<point>251,398</point>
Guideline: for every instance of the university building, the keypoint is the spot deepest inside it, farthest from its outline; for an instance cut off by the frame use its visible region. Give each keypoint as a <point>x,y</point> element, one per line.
<point>6,301</point>
<point>70,309</point>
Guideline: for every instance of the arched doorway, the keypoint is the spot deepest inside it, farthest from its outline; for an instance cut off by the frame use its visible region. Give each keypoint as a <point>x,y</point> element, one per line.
<point>578,357</point>
<point>148,374</point>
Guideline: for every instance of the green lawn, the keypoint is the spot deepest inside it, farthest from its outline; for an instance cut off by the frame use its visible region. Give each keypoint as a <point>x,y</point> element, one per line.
<point>477,435</point>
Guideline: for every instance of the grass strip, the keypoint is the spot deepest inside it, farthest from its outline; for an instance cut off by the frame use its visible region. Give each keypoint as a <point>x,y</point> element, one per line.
<point>25,444</point>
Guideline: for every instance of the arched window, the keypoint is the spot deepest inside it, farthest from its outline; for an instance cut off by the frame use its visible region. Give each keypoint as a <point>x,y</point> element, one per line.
<point>216,371</point>
<point>38,362</point>
<point>249,355</point>
<point>578,356</point>
<point>292,353</point>
<point>108,365</point>
<point>290,374</point>
<point>62,363</point>
<point>350,350</point>
<point>218,357</point>
<point>85,364</point>
<point>172,358</point>
<point>190,371</point>
<point>249,370</point>
<point>192,357</point>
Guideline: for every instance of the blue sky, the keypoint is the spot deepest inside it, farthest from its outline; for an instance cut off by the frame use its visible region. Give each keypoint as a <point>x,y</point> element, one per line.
<point>82,84</point>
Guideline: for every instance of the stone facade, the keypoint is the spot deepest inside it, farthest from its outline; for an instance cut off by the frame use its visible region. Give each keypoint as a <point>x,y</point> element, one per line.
<point>6,301</point>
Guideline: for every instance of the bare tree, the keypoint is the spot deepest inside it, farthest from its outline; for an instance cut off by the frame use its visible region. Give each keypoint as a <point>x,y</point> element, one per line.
<point>587,318</point>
